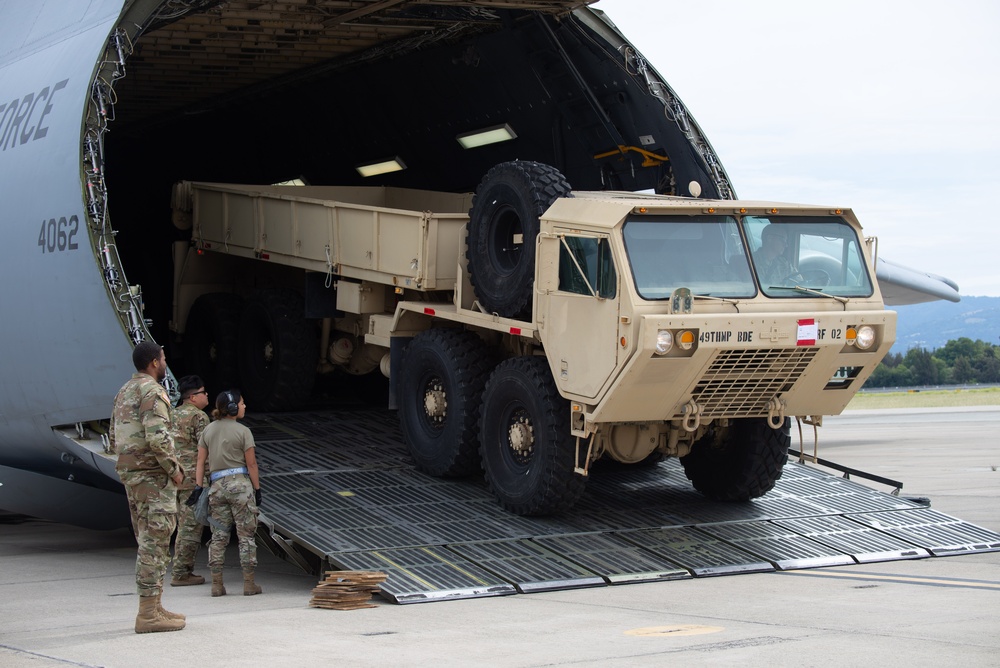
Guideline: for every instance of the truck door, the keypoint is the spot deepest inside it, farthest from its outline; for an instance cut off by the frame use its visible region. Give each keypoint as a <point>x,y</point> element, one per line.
<point>579,308</point>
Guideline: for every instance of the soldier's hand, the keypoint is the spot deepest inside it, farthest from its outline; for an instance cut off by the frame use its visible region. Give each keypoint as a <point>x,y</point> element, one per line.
<point>256,496</point>
<point>178,478</point>
<point>195,495</point>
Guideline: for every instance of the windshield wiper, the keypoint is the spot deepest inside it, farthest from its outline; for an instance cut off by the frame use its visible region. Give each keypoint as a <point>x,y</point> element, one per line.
<point>802,288</point>
<point>728,300</point>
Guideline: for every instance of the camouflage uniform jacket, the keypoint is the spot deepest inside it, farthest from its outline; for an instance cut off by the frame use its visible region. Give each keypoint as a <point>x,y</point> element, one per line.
<point>140,432</point>
<point>188,423</point>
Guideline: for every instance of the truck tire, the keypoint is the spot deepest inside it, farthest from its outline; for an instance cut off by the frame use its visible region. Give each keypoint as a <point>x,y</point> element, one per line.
<point>441,381</point>
<point>740,462</point>
<point>508,202</point>
<point>527,449</point>
<point>210,341</point>
<point>277,351</point>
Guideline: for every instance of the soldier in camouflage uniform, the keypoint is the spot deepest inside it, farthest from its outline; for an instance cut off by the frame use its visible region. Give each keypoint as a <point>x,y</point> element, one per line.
<point>189,420</point>
<point>148,467</point>
<point>227,451</point>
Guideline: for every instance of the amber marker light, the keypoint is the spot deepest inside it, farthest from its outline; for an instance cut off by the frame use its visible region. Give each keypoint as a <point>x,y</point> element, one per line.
<point>851,335</point>
<point>685,340</point>
<point>624,342</point>
<point>642,209</point>
<point>774,211</point>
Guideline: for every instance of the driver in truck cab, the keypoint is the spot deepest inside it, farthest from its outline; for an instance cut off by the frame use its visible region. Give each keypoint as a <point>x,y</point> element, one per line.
<point>771,259</point>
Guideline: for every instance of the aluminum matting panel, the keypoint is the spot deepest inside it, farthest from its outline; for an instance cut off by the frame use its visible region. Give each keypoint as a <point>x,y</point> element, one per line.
<point>340,483</point>
<point>529,565</point>
<point>863,543</point>
<point>779,545</point>
<point>938,533</point>
<point>426,574</point>
<point>613,558</point>
<point>699,552</point>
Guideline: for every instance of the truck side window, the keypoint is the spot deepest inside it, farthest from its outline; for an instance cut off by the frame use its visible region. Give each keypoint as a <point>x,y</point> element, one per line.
<point>596,267</point>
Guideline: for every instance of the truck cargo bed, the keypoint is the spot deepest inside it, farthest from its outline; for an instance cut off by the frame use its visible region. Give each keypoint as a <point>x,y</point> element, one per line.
<point>393,236</point>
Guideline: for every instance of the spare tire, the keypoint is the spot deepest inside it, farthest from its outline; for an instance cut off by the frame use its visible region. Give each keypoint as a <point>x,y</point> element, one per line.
<point>503,224</point>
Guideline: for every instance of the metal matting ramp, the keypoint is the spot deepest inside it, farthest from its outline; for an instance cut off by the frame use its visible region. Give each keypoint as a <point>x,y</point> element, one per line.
<point>340,485</point>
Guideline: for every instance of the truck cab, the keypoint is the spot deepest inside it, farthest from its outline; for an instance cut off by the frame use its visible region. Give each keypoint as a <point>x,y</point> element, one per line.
<point>665,320</point>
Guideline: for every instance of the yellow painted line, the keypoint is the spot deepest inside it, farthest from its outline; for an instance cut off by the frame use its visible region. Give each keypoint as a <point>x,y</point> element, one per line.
<point>455,566</point>
<point>408,572</point>
<point>673,631</point>
<point>906,579</point>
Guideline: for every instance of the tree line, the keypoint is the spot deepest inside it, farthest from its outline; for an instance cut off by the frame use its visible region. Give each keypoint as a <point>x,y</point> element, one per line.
<point>959,361</point>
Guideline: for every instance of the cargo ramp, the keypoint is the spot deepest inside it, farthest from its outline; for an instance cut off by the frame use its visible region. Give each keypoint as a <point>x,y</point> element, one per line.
<point>342,493</point>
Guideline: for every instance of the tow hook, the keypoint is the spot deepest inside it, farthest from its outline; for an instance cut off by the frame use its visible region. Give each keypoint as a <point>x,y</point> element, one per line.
<point>775,413</point>
<point>692,416</point>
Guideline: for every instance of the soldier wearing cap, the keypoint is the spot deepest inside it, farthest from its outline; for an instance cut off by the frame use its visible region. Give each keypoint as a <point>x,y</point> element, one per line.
<point>189,420</point>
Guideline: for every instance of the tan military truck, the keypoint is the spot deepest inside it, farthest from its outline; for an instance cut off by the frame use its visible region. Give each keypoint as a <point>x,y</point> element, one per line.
<point>543,329</point>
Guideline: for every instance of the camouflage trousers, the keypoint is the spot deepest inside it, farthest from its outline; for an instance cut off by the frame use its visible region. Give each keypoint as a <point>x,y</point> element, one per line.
<point>231,503</point>
<point>153,504</point>
<point>188,538</point>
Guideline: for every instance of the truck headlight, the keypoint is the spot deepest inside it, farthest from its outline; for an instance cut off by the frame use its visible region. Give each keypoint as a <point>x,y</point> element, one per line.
<point>866,337</point>
<point>664,342</point>
<point>862,337</point>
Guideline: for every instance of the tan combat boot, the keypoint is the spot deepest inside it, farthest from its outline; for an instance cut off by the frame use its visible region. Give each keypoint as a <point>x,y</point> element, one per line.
<point>186,580</point>
<point>166,613</point>
<point>149,620</point>
<point>217,588</point>
<point>249,586</point>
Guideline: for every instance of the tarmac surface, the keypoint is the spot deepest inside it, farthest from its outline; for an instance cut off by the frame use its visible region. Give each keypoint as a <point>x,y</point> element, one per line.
<point>67,595</point>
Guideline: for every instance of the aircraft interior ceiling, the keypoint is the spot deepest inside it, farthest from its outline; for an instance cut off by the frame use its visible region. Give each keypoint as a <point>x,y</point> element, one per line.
<point>264,92</point>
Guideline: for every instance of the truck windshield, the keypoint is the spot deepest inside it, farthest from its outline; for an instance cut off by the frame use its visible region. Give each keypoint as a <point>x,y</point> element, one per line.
<point>818,253</point>
<point>702,253</point>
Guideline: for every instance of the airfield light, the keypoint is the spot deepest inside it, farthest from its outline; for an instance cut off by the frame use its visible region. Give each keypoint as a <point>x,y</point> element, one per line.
<point>381,167</point>
<point>492,135</point>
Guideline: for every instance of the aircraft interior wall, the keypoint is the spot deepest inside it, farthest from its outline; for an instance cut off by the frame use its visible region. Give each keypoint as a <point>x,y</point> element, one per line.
<point>323,125</point>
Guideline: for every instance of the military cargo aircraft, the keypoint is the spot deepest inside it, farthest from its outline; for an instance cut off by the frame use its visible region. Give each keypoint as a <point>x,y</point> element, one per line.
<point>105,104</point>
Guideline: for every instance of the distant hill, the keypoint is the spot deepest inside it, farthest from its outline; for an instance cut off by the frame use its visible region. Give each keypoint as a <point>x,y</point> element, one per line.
<point>933,324</point>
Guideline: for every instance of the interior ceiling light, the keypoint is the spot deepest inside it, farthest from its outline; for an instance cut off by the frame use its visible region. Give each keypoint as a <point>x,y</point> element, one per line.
<point>382,167</point>
<point>493,135</point>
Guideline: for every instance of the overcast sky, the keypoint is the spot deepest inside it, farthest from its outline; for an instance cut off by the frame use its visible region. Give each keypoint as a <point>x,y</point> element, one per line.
<point>889,107</point>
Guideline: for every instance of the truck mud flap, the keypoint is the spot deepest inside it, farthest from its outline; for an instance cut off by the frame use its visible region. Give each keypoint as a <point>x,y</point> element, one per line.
<point>340,488</point>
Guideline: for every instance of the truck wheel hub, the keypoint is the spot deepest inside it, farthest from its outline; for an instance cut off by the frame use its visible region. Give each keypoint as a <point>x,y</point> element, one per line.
<point>435,402</point>
<point>521,438</point>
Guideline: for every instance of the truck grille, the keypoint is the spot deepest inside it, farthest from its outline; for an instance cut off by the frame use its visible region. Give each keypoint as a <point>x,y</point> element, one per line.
<point>741,382</point>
